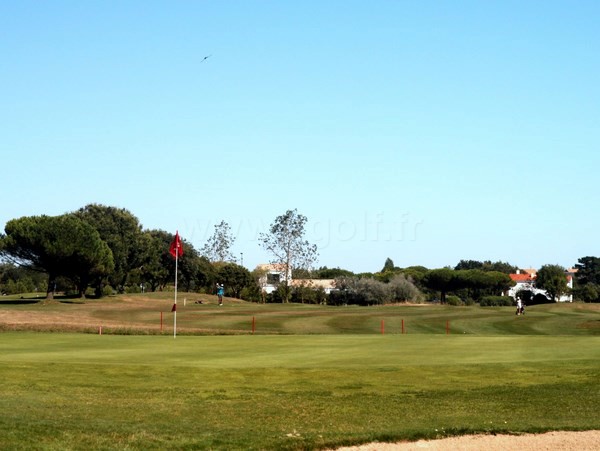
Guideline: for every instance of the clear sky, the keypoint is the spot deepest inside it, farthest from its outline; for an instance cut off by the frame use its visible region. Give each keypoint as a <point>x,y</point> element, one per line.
<point>423,131</point>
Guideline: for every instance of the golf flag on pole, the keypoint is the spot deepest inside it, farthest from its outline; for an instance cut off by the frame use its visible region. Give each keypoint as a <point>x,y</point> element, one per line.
<point>176,249</point>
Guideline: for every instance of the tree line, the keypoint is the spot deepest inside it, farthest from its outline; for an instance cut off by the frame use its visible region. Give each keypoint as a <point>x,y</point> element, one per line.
<point>99,250</point>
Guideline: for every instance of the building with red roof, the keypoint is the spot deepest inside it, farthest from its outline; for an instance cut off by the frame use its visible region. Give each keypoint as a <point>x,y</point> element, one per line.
<point>525,280</point>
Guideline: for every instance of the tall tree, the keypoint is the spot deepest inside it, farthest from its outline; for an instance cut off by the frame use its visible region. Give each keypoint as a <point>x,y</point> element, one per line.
<point>439,280</point>
<point>285,241</point>
<point>500,266</point>
<point>59,246</point>
<point>553,279</point>
<point>388,265</point>
<point>331,273</point>
<point>587,279</point>
<point>468,264</point>
<point>234,277</point>
<point>590,292</point>
<point>481,283</point>
<point>588,271</point>
<point>122,231</point>
<point>158,265</point>
<point>218,246</point>
<point>487,265</point>
<point>194,270</point>
<point>416,274</point>
<point>155,268</point>
<point>16,279</point>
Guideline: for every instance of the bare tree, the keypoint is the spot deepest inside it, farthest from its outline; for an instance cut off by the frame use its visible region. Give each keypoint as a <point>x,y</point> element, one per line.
<point>285,241</point>
<point>217,247</point>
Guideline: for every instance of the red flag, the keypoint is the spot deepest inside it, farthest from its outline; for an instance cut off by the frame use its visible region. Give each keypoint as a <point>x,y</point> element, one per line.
<point>176,249</point>
<point>174,308</point>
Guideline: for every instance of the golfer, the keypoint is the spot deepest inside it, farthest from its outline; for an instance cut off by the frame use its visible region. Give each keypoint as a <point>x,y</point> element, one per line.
<point>220,293</point>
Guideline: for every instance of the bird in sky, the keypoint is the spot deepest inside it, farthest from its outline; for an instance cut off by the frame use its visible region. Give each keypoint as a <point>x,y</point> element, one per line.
<point>205,58</point>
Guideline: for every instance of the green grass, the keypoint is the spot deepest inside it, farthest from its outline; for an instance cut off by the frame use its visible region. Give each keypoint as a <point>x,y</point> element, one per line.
<point>78,391</point>
<point>311,377</point>
<point>236,317</point>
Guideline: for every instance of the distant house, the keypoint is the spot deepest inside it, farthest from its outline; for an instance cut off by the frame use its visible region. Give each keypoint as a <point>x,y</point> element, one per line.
<point>525,280</point>
<point>272,274</point>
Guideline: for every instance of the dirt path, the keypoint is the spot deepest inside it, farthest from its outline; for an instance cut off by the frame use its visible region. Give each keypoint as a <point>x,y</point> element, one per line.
<point>551,441</point>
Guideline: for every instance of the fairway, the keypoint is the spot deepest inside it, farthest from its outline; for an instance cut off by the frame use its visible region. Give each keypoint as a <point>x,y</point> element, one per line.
<point>79,391</point>
<point>151,314</point>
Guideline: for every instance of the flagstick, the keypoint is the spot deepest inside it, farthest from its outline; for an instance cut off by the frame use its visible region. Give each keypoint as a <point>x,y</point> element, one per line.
<point>175,250</point>
<point>175,306</point>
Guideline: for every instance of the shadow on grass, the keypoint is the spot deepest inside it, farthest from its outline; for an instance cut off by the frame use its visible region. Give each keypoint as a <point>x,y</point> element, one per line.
<point>19,301</point>
<point>26,300</point>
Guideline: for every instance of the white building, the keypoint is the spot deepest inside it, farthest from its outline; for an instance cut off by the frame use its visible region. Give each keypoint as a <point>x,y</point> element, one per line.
<point>272,274</point>
<point>525,280</point>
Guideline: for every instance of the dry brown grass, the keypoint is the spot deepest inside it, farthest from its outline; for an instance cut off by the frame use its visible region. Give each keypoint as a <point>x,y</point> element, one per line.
<point>124,314</point>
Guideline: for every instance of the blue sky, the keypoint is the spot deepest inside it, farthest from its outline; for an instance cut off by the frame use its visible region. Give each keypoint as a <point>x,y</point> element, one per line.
<point>423,131</point>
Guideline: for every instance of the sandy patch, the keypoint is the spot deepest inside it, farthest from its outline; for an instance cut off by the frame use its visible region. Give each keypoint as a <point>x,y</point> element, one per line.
<point>551,441</point>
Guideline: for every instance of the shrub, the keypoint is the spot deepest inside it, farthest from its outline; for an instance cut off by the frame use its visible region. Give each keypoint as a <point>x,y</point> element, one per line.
<point>304,295</point>
<point>496,301</point>
<point>373,292</point>
<point>454,300</point>
<point>129,289</point>
<point>251,293</point>
<point>360,291</point>
<point>15,287</point>
<point>403,289</point>
<point>469,301</point>
<point>107,290</point>
<point>590,292</point>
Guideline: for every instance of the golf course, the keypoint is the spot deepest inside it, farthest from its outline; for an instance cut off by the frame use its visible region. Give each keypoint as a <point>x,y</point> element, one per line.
<point>114,374</point>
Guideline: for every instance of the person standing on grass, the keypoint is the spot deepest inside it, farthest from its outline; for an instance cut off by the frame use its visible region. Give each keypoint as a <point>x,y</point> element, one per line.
<point>519,306</point>
<point>220,293</point>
